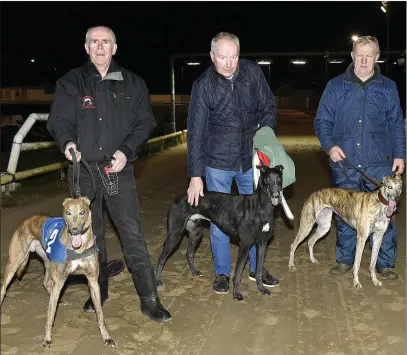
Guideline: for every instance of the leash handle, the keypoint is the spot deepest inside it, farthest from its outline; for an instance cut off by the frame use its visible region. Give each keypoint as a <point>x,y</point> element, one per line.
<point>75,175</point>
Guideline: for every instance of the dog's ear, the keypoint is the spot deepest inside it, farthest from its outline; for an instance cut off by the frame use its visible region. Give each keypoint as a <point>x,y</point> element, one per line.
<point>279,167</point>
<point>85,199</point>
<point>262,168</point>
<point>66,201</point>
<point>397,175</point>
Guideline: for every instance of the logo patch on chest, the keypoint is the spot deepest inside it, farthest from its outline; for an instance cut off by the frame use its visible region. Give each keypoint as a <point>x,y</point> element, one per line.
<point>88,102</point>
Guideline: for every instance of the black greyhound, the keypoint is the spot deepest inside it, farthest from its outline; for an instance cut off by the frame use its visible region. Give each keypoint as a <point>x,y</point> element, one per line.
<point>247,217</point>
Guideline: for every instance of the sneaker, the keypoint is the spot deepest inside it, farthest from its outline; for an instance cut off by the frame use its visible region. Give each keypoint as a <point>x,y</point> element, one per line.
<point>268,279</point>
<point>221,284</point>
<point>387,273</point>
<point>340,269</point>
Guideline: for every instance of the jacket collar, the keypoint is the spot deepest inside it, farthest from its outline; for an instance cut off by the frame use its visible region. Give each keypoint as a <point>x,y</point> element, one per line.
<point>350,71</point>
<point>113,73</point>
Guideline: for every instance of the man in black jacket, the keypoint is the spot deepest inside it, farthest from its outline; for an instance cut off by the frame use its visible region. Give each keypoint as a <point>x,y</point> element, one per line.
<point>101,110</point>
<point>230,101</point>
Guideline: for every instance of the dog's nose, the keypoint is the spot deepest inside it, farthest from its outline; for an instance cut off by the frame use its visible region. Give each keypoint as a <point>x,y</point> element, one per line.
<point>75,231</point>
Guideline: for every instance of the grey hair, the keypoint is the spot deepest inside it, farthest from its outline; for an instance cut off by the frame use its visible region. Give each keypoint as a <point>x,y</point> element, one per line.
<point>104,27</point>
<point>365,40</point>
<point>227,36</point>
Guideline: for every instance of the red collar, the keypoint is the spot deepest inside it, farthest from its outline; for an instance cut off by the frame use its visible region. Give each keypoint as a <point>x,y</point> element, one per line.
<point>382,199</point>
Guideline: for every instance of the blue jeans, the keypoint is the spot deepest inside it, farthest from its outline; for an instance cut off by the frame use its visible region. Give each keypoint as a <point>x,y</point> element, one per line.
<point>346,239</point>
<point>221,181</point>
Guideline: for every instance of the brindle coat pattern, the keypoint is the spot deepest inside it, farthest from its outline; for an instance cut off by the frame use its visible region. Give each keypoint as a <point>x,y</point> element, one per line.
<point>27,238</point>
<point>363,211</point>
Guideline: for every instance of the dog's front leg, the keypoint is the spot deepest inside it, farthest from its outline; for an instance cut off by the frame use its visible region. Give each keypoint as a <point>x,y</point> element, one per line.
<point>57,284</point>
<point>360,244</point>
<point>261,254</point>
<point>95,294</point>
<point>241,260</point>
<point>377,242</point>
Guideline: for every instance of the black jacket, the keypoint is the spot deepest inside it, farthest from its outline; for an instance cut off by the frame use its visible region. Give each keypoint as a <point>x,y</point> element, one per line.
<point>101,115</point>
<point>223,118</point>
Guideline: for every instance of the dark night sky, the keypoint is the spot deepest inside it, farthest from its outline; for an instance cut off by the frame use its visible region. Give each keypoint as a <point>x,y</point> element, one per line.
<point>149,32</point>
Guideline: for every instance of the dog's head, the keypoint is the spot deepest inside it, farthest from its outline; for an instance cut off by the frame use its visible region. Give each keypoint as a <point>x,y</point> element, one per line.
<point>391,190</point>
<point>78,218</point>
<point>271,182</point>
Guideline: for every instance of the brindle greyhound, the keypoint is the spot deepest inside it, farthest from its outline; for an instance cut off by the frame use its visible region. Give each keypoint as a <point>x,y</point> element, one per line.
<point>82,258</point>
<point>367,212</point>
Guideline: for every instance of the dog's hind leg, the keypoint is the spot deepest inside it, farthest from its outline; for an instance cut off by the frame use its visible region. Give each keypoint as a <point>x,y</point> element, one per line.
<point>324,223</point>
<point>95,294</point>
<point>175,228</point>
<point>306,223</point>
<point>377,242</point>
<point>17,260</point>
<point>243,254</point>
<point>195,230</point>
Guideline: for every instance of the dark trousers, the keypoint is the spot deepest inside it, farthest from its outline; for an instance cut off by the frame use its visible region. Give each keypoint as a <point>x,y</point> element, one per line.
<point>124,210</point>
<point>346,239</point>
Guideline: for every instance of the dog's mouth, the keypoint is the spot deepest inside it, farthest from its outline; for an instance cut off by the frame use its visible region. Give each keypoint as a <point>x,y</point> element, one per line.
<point>275,200</point>
<point>76,238</point>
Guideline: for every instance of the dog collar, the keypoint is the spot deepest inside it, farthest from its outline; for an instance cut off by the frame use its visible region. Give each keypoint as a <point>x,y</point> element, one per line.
<point>382,199</point>
<point>72,255</point>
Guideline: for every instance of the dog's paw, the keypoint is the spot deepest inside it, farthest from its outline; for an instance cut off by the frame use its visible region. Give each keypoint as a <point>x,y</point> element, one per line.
<point>110,342</point>
<point>238,296</point>
<point>376,282</point>
<point>314,261</point>
<point>292,267</point>
<point>47,343</point>
<point>197,273</point>
<point>159,283</point>
<point>357,284</point>
<point>265,292</point>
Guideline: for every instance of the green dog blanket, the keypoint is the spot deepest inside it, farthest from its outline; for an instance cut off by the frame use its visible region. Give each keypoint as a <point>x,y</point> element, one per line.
<point>266,141</point>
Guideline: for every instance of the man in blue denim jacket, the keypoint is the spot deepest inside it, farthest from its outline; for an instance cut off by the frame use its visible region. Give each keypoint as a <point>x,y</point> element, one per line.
<point>230,101</point>
<point>359,121</point>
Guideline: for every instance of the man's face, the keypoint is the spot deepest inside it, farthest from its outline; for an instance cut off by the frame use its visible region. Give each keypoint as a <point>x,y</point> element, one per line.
<point>364,58</point>
<point>226,57</point>
<point>100,46</point>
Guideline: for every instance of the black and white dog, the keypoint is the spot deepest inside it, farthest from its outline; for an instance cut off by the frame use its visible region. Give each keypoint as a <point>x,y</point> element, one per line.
<point>250,218</point>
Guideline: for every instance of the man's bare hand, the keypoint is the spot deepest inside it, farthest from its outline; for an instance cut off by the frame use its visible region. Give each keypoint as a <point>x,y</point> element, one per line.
<point>68,154</point>
<point>336,154</point>
<point>195,190</point>
<point>398,165</point>
<point>118,163</point>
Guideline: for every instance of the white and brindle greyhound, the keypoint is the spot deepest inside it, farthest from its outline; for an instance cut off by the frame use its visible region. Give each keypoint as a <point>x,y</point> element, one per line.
<point>78,255</point>
<point>367,212</point>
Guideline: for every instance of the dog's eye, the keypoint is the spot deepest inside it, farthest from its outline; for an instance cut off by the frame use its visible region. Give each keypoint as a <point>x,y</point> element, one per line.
<point>82,212</point>
<point>389,187</point>
<point>68,213</point>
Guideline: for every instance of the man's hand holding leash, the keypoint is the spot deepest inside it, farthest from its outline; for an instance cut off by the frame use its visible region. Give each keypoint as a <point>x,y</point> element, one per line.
<point>336,154</point>
<point>118,163</point>
<point>195,190</point>
<point>398,165</point>
<point>68,154</point>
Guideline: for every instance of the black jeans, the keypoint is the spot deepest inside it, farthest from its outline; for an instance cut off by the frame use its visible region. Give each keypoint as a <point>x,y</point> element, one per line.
<point>124,209</point>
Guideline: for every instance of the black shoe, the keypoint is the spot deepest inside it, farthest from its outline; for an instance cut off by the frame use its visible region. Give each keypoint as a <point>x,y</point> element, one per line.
<point>152,307</point>
<point>221,284</point>
<point>89,307</point>
<point>340,269</point>
<point>387,273</point>
<point>268,279</point>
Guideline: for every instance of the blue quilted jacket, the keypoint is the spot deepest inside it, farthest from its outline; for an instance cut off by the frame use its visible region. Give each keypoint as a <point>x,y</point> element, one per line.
<point>367,124</point>
<point>223,118</point>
